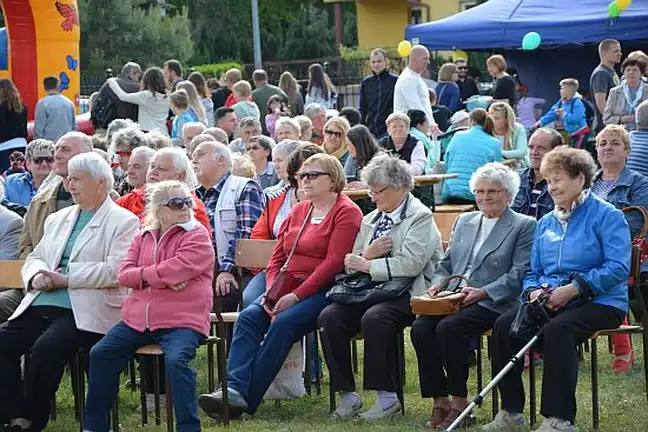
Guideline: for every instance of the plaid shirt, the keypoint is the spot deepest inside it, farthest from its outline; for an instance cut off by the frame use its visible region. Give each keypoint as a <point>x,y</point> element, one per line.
<point>248,209</point>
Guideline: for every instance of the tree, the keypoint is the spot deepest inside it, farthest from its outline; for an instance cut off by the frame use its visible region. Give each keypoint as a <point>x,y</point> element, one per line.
<point>114,32</point>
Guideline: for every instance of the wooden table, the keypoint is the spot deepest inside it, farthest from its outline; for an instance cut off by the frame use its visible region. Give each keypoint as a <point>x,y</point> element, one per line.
<point>422,180</point>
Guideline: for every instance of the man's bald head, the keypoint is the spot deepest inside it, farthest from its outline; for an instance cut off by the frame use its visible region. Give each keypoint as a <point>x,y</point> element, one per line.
<point>190,131</point>
<point>68,146</point>
<point>419,58</point>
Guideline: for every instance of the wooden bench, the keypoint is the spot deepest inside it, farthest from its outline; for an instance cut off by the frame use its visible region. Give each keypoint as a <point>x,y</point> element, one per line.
<point>10,274</point>
<point>445,222</point>
<point>454,208</point>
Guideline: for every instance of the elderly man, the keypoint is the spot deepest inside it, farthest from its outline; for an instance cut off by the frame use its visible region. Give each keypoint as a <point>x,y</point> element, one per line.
<point>71,293</point>
<point>317,115</point>
<point>377,94</point>
<point>263,92</point>
<point>410,91</point>
<point>218,133</point>
<point>225,119</point>
<point>638,158</point>
<point>128,81</point>
<point>190,131</point>
<point>20,188</point>
<point>532,198</point>
<point>234,204</point>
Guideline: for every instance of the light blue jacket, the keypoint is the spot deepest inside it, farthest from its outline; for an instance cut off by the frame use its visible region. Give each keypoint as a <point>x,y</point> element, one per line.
<point>467,151</point>
<point>601,274</point>
<point>20,188</point>
<point>432,148</point>
<point>519,147</point>
<point>573,118</point>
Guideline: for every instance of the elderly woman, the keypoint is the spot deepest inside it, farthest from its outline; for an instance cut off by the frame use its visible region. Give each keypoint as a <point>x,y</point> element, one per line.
<point>20,188</point>
<point>306,128</point>
<point>122,144</point>
<point>248,127</point>
<point>491,248</point>
<point>398,239</point>
<point>276,211</point>
<point>72,294</point>
<point>335,138</point>
<point>280,154</point>
<point>320,233</point>
<point>621,187</point>
<point>406,146</point>
<point>287,128</point>
<point>623,100</point>
<point>512,135</point>
<point>589,291</point>
<point>259,149</point>
<point>448,93</point>
<point>169,304</point>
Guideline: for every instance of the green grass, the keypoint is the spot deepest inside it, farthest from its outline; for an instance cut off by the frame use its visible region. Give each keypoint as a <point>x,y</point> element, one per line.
<point>622,403</point>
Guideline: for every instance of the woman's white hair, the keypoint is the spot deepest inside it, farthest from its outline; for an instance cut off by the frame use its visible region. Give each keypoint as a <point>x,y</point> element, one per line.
<point>157,195</point>
<point>498,173</point>
<point>290,122</point>
<point>390,171</point>
<point>180,162</point>
<point>95,165</point>
<point>286,147</point>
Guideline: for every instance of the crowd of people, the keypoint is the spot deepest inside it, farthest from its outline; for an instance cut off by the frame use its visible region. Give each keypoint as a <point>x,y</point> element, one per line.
<point>129,235</point>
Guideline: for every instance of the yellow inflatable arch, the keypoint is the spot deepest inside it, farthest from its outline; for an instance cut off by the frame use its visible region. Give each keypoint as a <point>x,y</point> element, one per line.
<point>43,40</point>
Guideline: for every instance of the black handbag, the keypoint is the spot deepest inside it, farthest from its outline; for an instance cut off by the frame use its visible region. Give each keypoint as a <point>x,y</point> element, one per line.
<point>531,317</point>
<point>359,289</point>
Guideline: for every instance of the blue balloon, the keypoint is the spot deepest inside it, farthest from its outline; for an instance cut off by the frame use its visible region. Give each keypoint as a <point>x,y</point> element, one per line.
<point>531,41</point>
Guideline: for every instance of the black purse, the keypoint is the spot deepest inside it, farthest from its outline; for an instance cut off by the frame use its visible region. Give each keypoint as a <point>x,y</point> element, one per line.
<point>531,317</point>
<point>359,289</point>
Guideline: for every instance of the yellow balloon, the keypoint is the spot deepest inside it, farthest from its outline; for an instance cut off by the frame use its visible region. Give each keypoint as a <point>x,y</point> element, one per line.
<point>623,4</point>
<point>460,54</point>
<point>404,48</point>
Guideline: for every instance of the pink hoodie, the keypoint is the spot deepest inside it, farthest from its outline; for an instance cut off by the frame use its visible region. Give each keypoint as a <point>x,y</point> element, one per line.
<point>184,253</point>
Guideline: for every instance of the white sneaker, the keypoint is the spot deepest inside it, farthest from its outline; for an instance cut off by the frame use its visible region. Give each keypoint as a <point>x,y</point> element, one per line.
<point>347,412</point>
<point>376,412</point>
<point>553,424</point>
<point>504,421</point>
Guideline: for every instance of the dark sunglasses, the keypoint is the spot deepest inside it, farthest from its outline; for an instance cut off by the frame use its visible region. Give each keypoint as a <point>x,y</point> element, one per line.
<point>179,203</point>
<point>312,175</point>
<point>40,160</point>
<point>462,68</point>
<point>334,133</point>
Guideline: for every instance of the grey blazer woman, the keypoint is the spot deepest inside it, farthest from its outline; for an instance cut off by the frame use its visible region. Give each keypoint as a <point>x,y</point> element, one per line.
<point>501,262</point>
<point>617,107</point>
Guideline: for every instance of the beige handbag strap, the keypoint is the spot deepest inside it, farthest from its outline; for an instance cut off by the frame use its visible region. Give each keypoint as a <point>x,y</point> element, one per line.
<point>447,281</point>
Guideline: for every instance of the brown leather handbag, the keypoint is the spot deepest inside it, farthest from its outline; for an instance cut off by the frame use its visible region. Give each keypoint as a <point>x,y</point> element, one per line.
<point>445,302</point>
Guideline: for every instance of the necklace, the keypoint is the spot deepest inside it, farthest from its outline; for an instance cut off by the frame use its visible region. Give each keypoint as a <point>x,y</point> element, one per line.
<point>323,212</point>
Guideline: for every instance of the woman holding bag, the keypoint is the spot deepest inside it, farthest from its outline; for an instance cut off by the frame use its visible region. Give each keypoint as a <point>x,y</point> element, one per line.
<point>310,251</point>
<point>397,240</point>
<point>491,248</point>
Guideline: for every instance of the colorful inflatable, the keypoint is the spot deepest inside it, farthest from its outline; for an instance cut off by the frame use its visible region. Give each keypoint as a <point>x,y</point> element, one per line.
<point>42,38</point>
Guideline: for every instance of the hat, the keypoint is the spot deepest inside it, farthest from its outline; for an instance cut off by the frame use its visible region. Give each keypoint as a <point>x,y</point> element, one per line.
<point>459,116</point>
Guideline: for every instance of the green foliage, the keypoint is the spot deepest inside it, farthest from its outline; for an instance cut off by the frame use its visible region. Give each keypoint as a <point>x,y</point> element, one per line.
<point>215,70</point>
<point>116,31</point>
<point>310,36</point>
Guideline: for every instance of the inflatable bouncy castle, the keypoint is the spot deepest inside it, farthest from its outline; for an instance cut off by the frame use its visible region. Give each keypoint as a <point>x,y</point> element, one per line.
<point>41,38</point>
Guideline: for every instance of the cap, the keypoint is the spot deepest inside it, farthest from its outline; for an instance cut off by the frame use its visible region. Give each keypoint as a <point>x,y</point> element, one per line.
<point>459,116</point>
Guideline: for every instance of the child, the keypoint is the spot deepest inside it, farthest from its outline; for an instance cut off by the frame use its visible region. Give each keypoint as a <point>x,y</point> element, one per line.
<point>17,163</point>
<point>244,107</point>
<point>180,106</point>
<point>568,114</point>
<point>276,109</point>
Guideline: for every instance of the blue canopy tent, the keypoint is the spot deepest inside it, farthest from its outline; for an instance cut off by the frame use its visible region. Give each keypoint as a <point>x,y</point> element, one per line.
<point>569,31</point>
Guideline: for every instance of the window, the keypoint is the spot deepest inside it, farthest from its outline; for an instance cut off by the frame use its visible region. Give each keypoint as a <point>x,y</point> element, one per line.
<point>416,16</point>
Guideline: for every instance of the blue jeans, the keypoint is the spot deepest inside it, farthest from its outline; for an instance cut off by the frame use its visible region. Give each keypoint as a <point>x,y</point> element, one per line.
<point>111,355</point>
<point>254,289</point>
<point>252,366</point>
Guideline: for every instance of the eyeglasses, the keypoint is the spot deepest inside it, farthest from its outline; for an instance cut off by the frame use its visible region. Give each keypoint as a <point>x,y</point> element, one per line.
<point>41,160</point>
<point>312,175</point>
<point>250,148</point>
<point>373,194</point>
<point>179,203</point>
<point>487,192</point>
<point>332,132</point>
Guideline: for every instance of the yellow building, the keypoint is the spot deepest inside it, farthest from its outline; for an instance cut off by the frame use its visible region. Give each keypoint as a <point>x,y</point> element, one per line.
<point>381,23</point>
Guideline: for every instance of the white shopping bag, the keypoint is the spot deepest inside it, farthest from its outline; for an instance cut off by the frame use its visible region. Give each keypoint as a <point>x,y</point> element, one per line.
<point>289,382</point>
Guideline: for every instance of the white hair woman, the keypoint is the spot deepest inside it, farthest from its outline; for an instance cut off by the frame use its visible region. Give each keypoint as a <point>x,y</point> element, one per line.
<point>259,149</point>
<point>280,154</point>
<point>400,142</point>
<point>169,304</point>
<point>492,252</point>
<point>72,294</point>
<point>398,239</point>
<point>287,128</point>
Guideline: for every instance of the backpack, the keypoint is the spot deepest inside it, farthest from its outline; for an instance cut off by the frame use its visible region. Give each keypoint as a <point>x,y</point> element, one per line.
<point>103,112</point>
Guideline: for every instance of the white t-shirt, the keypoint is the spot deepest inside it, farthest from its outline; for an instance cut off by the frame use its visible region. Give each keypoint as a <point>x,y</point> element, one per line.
<point>485,227</point>
<point>412,93</point>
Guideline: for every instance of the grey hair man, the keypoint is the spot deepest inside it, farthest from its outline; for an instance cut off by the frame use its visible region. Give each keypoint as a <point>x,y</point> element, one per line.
<point>410,91</point>
<point>234,205</point>
<point>317,115</point>
<point>190,131</point>
<point>128,80</point>
<point>638,158</point>
<point>218,133</point>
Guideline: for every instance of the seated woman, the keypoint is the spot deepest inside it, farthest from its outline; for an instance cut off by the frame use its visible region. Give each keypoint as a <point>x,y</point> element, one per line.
<point>621,187</point>
<point>467,151</point>
<point>400,142</point>
<point>72,294</point>
<point>623,100</point>
<point>169,269</point>
<point>330,222</point>
<point>362,148</point>
<point>420,129</point>
<point>590,290</point>
<point>280,154</point>
<point>275,212</point>
<point>259,150</point>
<point>335,138</point>
<point>511,134</point>
<point>491,248</point>
<point>399,239</point>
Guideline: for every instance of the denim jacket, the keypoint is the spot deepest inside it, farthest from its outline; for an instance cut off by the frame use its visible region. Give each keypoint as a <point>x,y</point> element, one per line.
<point>522,202</point>
<point>631,189</point>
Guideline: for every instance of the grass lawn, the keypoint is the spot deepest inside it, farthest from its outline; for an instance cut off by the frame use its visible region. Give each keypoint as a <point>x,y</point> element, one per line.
<point>623,405</point>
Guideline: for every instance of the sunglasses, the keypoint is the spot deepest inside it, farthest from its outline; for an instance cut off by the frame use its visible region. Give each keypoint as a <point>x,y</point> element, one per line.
<point>41,160</point>
<point>334,133</point>
<point>180,203</point>
<point>312,175</point>
<point>462,68</point>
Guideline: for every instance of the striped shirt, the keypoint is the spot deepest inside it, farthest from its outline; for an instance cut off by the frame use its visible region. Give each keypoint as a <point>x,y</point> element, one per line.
<point>638,158</point>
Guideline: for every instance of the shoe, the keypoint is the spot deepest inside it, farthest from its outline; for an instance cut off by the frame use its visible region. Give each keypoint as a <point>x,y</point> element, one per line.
<point>553,424</point>
<point>212,403</point>
<point>347,412</point>
<point>436,419</point>
<point>621,365</point>
<point>504,421</point>
<point>376,412</point>
<point>453,415</point>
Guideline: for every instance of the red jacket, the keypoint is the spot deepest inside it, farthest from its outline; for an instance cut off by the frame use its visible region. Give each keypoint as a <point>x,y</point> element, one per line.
<point>321,249</point>
<point>230,101</point>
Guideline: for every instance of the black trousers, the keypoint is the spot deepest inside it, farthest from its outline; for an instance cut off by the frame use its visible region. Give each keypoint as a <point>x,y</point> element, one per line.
<point>442,346</point>
<point>49,334</point>
<point>561,337</point>
<point>379,324</point>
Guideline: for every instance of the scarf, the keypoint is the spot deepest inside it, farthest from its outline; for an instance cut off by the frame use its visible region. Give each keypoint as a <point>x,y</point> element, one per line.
<point>630,103</point>
<point>563,214</point>
<point>341,151</point>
